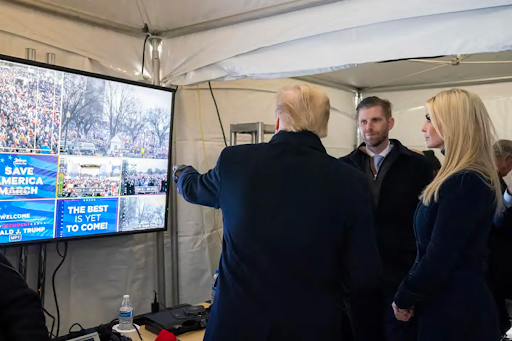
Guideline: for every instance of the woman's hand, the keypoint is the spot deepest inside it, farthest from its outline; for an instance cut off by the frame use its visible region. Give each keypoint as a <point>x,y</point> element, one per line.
<point>403,315</point>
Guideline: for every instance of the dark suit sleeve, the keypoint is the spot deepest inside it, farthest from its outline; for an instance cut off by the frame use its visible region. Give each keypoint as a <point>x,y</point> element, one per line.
<point>506,211</point>
<point>363,267</point>
<point>499,218</point>
<point>427,175</point>
<point>21,312</point>
<point>201,189</point>
<point>458,210</point>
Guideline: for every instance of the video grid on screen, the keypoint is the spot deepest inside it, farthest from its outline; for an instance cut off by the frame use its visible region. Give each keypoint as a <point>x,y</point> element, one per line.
<point>80,155</point>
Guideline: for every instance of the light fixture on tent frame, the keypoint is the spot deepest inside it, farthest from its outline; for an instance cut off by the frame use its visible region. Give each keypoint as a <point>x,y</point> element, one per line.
<point>155,43</point>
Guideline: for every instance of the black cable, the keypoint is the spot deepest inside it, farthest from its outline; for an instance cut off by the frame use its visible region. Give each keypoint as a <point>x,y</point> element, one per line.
<point>137,330</point>
<point>144,54</point>
<point>70,328</point>
<point>218,114</point>
<point>53,283</point>
<point>107,328</point>
<point>160,302</point>
<point>75,324</point>
<point>53,322</point>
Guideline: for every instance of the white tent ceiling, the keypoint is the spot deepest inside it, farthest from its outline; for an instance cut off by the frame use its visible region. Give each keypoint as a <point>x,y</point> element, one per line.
<point>228,39</point>
<point>167,17</point>
<point>421,73</point>
<point>341,35</point>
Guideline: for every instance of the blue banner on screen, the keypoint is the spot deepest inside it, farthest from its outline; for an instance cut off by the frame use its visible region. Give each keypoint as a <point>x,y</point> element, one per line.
<point>27,176</point>
<point>83,217</point>
<point>22,221</point>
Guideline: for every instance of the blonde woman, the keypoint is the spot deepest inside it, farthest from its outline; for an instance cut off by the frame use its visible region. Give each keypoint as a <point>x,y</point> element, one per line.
<point>446,288</point>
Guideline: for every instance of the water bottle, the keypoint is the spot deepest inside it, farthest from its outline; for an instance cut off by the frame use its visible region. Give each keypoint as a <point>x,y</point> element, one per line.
<point>214,286</point>
<point>126,314</point>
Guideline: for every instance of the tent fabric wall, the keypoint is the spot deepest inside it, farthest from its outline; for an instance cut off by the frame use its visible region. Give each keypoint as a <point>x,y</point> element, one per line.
<point>409,111</point>
<point>244,101</point>
<point>117,52</point>
<point>373,30</point>
<point>14,46</point>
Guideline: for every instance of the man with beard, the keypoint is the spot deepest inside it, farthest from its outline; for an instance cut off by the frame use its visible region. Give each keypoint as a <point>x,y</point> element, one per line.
<point>397,176</point>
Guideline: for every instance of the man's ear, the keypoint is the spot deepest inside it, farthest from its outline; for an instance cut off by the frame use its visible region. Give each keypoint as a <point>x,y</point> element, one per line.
<point>508,161</point>
<point>391,123</point>
<point>277,124</point>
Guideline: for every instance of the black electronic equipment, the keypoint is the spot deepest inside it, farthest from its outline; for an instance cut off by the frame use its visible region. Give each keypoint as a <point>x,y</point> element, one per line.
<point>178,320</point>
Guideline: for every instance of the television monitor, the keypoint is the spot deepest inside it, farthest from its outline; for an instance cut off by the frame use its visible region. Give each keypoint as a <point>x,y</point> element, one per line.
<point>81,155</point>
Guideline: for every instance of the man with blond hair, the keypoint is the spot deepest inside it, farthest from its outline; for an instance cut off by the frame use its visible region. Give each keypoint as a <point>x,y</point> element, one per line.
<point>298,233</point>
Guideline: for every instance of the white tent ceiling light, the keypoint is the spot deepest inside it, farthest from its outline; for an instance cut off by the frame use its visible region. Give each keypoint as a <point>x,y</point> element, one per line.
<point>225,39</point>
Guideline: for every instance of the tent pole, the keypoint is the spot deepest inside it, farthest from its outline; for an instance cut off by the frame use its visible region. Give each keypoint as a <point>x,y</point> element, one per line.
<point>156,43</point>
<point>30,54</point>
<point>156,46</point>
<point>173,223</point>
<point>358,98</point>
<point>41,267</point>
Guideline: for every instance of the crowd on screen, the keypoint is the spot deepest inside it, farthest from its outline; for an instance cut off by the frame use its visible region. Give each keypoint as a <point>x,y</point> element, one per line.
<point>29,111</point>
<point>101,140</point>
<point>90,188</point>
<point>145,180</point>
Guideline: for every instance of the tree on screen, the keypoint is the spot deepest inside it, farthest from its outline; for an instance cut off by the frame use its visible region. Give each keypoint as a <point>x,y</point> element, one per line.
<point>135,123</point>
<point>155,215</point>
<point>159,215</point>
<point>82,100</point>
<point>159,120</point>
<point>129,206</point>
<point>91,118</point>
<point>143,211</point>
<point>119,105</point>
<point>131,169</point>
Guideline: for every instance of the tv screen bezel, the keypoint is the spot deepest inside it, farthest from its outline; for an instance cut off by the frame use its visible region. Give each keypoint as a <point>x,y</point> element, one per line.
<point>169,163</point>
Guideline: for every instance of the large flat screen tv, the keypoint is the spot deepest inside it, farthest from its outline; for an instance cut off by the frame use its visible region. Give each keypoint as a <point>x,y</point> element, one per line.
<point>81,155</point>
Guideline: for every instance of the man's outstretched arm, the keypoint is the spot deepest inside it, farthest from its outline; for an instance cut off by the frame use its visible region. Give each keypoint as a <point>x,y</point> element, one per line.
<point>200,189</point>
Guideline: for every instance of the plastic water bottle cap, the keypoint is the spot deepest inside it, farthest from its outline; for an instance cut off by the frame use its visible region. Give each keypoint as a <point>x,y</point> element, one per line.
<point>126,296</point>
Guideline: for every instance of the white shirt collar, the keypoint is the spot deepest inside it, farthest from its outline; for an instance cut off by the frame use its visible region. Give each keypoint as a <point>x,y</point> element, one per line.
<point>384,153</point>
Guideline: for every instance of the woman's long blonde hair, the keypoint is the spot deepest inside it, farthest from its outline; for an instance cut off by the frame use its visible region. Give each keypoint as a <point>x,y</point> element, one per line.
<point>461,120</point>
